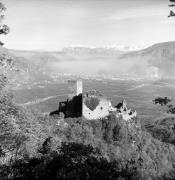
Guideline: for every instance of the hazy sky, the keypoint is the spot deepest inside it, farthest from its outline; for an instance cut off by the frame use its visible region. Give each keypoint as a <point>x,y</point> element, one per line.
<point>53,24</point>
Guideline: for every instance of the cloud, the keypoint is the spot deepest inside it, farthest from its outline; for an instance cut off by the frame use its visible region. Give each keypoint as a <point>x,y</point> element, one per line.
<point>53,24</point>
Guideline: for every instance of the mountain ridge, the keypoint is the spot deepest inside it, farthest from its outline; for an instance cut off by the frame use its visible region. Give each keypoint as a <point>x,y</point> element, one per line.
<point>154,62</point>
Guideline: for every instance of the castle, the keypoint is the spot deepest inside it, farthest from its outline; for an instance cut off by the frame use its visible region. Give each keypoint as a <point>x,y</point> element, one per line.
<point>91,105</point>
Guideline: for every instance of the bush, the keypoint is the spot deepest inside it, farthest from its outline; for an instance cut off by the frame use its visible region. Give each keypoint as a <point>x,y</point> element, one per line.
<point>162,101</point>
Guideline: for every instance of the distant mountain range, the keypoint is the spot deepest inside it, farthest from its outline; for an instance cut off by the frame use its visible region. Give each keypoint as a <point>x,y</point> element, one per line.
<point>157,61</point>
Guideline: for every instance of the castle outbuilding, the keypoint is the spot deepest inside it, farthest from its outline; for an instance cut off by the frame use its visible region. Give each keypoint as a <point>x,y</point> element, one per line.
<point>124,112</point>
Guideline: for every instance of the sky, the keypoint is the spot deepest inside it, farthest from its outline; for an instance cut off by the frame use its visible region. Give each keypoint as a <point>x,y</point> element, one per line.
<point>55,24</point>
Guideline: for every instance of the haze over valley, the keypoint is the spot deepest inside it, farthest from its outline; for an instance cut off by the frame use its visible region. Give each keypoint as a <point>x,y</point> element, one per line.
<point>155,62</point>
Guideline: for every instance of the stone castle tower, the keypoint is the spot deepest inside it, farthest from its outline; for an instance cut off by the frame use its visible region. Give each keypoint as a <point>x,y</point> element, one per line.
<point>75,88</point>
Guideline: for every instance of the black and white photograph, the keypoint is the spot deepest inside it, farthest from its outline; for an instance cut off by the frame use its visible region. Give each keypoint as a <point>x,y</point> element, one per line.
<point>87,89</point>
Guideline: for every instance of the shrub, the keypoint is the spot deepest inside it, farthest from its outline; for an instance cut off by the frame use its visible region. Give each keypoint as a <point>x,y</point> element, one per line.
<point>162,101</point>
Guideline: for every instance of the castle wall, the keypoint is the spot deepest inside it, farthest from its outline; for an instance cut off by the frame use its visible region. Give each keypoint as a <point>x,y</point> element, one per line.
<point>102,109</point>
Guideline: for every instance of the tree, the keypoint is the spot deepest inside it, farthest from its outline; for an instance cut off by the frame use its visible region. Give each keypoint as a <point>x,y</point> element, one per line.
<point>4,61</point>
<point>171,5</point>
<point>4,29</point>
<point>71,161</point>
<point>163,101</point>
